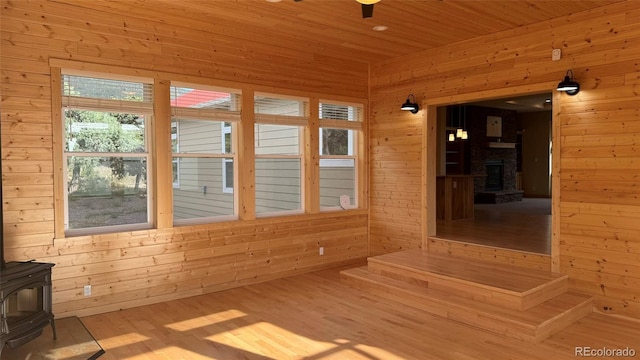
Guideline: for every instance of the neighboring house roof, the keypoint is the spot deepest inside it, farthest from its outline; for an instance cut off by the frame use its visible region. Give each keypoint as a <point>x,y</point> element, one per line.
<point>194,98</point>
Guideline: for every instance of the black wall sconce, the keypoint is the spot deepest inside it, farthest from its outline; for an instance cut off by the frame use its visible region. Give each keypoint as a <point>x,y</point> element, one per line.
<point>410,104</point>
<point>568,85</point>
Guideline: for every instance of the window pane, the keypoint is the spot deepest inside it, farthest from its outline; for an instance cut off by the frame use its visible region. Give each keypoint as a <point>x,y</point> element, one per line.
<point>277,185</point>
<point>275,106</point>
<point>226,140</point>
<point>175,166</point>
<point>199,137</point>
<point>336,142</point>
<point>95,131</point>
<point>202,99</point>
<point>200,193</point>
<point>277,139</point>
<point>340,112</point>
<point>337,178</point>
<point>228,174</point>
<point>106,191</point>
<point>174,137</point>
<point>81,86</point>
<point>205,186</point>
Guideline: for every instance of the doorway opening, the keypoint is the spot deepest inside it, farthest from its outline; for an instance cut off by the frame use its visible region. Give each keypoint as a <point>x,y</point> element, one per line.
<point>493,185</point>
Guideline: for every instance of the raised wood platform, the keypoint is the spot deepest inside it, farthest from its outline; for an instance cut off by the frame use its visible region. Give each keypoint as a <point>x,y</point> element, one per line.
<point>520,303</point>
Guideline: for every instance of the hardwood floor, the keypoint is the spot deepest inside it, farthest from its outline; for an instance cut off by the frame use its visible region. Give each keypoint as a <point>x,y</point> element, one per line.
<point>523,225</point>
<point>315,316</point>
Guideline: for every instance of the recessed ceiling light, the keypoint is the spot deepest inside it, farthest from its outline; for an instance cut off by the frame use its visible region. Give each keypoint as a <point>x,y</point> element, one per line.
<point>380,28</point>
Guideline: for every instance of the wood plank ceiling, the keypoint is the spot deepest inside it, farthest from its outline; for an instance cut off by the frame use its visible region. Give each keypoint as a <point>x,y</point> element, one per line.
<point>335,28</point>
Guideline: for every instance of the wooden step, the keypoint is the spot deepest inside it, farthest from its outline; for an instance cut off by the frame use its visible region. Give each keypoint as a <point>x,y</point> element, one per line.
<point>499,284</point>
<point>533,325</point>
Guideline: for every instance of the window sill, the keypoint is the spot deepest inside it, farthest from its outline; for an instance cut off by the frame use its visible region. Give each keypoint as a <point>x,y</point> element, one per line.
<point>106,230</point>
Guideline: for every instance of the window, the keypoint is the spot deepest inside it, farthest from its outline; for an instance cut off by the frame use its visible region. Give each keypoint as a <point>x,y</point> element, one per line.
<point>175,162</point>
<point>339,128</point>
<point>227,166</point>
<point>279,123</point>
<point>106,153</point>
<point>203,153</point>
<point>108,164</point>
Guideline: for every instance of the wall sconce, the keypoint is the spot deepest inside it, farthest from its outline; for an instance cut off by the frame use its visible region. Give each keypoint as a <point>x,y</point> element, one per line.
<point>568,85</point>
<point>410,104</point>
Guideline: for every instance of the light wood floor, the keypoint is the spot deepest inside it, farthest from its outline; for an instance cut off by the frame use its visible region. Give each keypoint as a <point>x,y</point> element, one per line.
<point>523,225</point>
<point>315,316</point>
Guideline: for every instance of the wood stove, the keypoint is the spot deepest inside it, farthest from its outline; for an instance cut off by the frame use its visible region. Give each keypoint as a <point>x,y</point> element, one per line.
<point>25,302</point>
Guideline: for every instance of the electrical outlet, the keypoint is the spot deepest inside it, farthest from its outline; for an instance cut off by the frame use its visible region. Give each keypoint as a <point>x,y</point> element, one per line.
<point>556,54</point>
<point>321,250</point>
<point>87,290</point>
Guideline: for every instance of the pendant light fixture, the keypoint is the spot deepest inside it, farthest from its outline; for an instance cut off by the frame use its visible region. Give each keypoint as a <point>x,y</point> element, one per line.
<point>459,130</point>
<point>465,134</point>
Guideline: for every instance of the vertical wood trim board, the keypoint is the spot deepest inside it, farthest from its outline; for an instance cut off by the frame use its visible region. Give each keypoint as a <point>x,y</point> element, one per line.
<point>58,133</point>
<point>163,187</point>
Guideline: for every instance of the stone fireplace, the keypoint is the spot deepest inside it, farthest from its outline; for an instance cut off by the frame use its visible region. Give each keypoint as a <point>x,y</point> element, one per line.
<point>493,156</point>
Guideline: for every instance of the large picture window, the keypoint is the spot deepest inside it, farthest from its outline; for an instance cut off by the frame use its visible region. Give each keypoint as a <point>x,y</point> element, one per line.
<point>340,125</point>
<point>106,153</point>
<point>278,136</point>
<point>203,153</point>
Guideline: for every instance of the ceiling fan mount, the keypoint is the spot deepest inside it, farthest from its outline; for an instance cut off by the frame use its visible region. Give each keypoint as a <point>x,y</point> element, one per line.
<point>367,7</point>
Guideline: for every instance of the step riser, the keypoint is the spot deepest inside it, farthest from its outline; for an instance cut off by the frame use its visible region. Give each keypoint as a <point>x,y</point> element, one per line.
<point>486,321</point>
<point>468,317</point>
<point>470,290</point>
<point>565,320</point>
<point>545,293</point>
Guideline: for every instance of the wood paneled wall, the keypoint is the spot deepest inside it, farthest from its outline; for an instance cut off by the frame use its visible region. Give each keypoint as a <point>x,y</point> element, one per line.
<point>598,242</point>
<point>134,268</point>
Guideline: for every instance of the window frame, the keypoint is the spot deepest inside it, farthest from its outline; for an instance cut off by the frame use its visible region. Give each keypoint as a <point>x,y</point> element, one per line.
<point>65,103</point>
<point>354,125</point>
<point>159,169</point>
<point>299,121</point>
<point>210,115</point>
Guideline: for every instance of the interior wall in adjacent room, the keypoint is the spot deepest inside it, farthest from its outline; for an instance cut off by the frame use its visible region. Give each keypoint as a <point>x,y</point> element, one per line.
<point>536,166</point>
